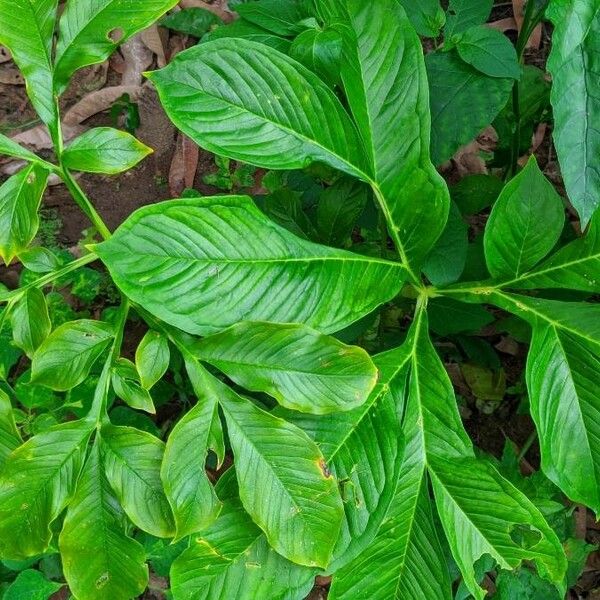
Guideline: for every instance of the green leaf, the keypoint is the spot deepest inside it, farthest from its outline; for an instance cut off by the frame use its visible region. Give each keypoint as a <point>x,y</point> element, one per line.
<point>475,193</point>
<point>464,14</point>
<point>36,484</point>
<point>201,264</point>
<point>280,17</point>
<point>20,198</point>
<point>561,368</point>
<point>99,559</point>
<point>525,584</point>
<point>489,51</point>
<point>339,208</point>
<point>363,449</point>
<point>104,150</point>
<point>446,261</point>
<point>191,21</point>
<point>127,386</point>
<point>30,321</point>
<point>320,51</point>
<point>510,528</point>
<point>245,30</point>
<point>132,460</point>
<point>89,33</point>
<point>40,260</point>
<point>31,585</point>
<point>188,489</point>
<point>301,368</point>
<point>11,148</point>
<point>26,29</point>
<point>576,100</point>
<point>463,102</point>
<point>382,54</point>
<point>284,483</point>
<point>9,353</point>
<point>426,16</point>
<point>525,224</point>
<point>448,317</point>
<point>576,266</point>
<point>65,358</point>
<point>9,434</point>
<point>232,559</point>
<point>218,94</point>
<point>152,358</point>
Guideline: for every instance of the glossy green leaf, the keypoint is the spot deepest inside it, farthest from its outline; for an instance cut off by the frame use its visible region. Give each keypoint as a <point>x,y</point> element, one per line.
<point>132,460</point>
<point>99,559</point>
<point>127,386</point>
<point>525,223</point>
<point>463,102</point>
<point>201,264</point>
<point>363,449</point>
<point>489,51</point>
<point>152,358</point>
<point>320,51</point>
<point>576,266</point>
<point>245,30</point>
<point>40,260</point>
<point>20,198</point>
<point>464,14</point>
<point>301,368</point>
<point>90,32</point>
<point>280,17</point>
<point>188,489</point>
<point>104,150</point>
<point>31,585</point>
<point>220,95</point>
<point>65,358</point>
<point>232,559</point>
<point>26,28</point>
<point>382,54</point>
<point>284,483</point>
<point>562,367</point>
<point>30,321</point>
<point>36,483</point>
<point>448,316</point>
<point>474,193</point>
<point>426,16</point>
<point>463,486</point>
<point>191,21</point>
<point>576,99</point>
<point>9,434</point>
<point>11,148</point>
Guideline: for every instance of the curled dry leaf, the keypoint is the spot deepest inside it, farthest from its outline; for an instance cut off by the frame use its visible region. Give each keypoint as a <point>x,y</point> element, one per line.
<point>137,57</point>
<point>154,42</point>
<point>469,159</point>
<point>183,166</point>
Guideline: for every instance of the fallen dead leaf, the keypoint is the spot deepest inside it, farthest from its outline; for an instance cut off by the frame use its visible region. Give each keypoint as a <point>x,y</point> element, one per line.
<point>138,57</point>
<point>183,166</point>
<point>218,8</point>
<point>154,42</point>
<point>11,76</point>
<point>4,55</point>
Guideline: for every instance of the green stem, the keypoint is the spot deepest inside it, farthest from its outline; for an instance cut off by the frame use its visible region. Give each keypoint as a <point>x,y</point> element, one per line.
<point>84,203</point>
<point>528,443</point>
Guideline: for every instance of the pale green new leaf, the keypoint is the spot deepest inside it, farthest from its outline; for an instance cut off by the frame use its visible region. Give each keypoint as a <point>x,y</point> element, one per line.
<point>104,150</point>
<point>203,264</point>
<point>30,321</point>
<point>40,260</point>
<point>252,103</point>
<point>65,358</point>
<point>26,29</point>
<point>562,371</point>
<point>89,32</point>
<point>576,266</point>
<point>152,358</point>
<point>10,437</point>
<point>363,449</point>
<point>386,84</point>
<point>188,489</point>
<point>99,559</point>
<point>20,198</point>
<point>525,223</point>
<point>36,483</point>
<point>284,483</point>
<point>482,513</point>
<point>232,559</point>
<point>463,102</point>
<point>573,63</point>
<point>132,460</point>
<point>301,368</point>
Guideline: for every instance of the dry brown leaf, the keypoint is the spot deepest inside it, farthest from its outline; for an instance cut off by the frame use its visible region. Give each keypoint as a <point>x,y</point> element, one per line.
<point>177,44</point>
<point>218,8</point>
<point>11,76</point>
<point>138,57</point>
<point>4,54</point>
<point>154,42</point>
<point>536,141</point>
<point>99,101</point>
<point>468,160</point>
<point>183,166</point>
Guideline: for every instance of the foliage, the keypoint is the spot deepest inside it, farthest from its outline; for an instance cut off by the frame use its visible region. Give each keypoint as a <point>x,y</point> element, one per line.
<point>344,463</point>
